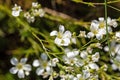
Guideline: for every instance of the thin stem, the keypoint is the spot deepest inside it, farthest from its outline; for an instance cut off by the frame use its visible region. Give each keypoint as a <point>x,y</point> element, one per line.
<point>114,8</point>
<point>41,43</point>
<point>107,34</point>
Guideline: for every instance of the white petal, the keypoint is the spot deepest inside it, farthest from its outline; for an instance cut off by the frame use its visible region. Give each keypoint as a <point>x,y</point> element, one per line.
<point>76,52</point>
<point>58,41</point>
<point>14,61</point>
<point>39,71</point>
<point>70,54</point>
<point>13,70</point>
<point>53,33</point>
<point>73,40</point>
<point>23,60</point>
<point>61,29</point>
<point>93,66</point>
<point>101,19</point>
<point>90,34</point>
<point>117,34</point>
<point>27,67</point>
<point>66,42</point>
<point>114,67</point>
<point>67,34</point>
<point>99,36</point>
<point>44,56</point>
<point>48,69</point>
<point>94,25</point>
<point>36,63</point>
<point>21,74</point>
<point>83,54</point>
<point>15,13</point>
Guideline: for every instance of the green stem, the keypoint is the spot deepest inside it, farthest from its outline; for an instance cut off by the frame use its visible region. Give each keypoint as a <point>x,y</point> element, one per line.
<point>107,33</point>
<point>41,43</point>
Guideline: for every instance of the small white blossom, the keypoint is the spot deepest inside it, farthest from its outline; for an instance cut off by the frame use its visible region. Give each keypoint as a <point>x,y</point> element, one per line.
<point>112,22</point>
<point>63,38</point>
<point>38,12</point>
<point>54,61</point>
<point>43,65</point>
<point>16,10</point>
<point>35,4</point>
<point>29,18</point>
<point>21,67</point>
<point>82,34</point>
<point>95,31</point>
<point>95,57</point>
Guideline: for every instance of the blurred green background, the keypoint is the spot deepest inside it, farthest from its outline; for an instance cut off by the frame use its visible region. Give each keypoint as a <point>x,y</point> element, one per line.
<point>15,41</point>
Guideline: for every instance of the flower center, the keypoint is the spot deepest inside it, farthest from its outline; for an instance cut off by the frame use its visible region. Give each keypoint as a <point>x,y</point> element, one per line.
<point>19,66</point>
<point>102,25</point>
<point>95,31</point>
<point>44,64</point>
<point>59,35</point>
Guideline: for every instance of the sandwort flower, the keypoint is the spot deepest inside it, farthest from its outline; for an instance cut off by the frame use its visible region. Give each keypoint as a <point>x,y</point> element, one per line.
<point>16,10</point>
<point>21,67</point>
<point>63,38</point>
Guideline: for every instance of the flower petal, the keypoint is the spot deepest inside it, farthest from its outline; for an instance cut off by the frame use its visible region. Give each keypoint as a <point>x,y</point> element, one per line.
<point>39,71</point>
<point>27,67</point>
<point>13,70</point>
<point>53,33</point>
<point>15,13</point>
<point>48,69</point>
<point>36,63</point>
<point>67,34</point>
<point>14,61</point>
<point>66,42</point>
<point>21,74</point>
<point>23,60</point>
<point>44,56</point>
<point>57,41</point>
<point>61,29</point>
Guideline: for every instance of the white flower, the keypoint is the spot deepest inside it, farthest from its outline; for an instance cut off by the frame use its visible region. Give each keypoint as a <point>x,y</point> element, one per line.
<point>82,34</point>
<point>29,17</point>
<point>71,61</point>
<point>95,31</point>
<point>16,10</point>
<point>43,65</point>
<point>112,22</point>
<point>35,4</point>
<point>38,12</point>
<point>54,61</point>
<point>95,57</point>
<point>63,38</point>
<point>21,67</point>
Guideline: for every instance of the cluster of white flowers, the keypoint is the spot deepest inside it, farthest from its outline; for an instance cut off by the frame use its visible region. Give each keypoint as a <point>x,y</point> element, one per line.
<point>115,52</point>
<point>44,66</point>
<point>36,10</point>
<point>77,64</point>
<point>98,28</point>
